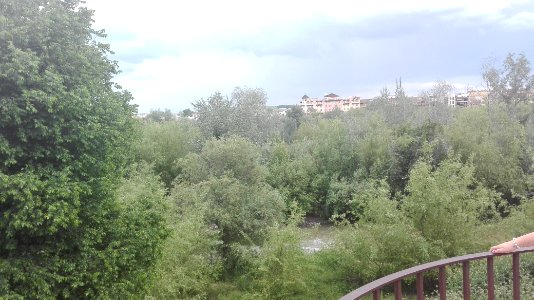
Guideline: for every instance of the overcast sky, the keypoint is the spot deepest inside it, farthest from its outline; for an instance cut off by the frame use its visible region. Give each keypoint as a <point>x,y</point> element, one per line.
<point>172,53</point>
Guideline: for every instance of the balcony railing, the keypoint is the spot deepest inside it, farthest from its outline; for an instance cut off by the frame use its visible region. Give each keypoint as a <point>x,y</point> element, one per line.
<point>395,279</point>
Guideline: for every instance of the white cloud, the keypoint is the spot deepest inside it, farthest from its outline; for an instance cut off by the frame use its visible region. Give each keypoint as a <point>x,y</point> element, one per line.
<point>522,20</point>
<point>195,20</point>
<point>175,52</point>
<point>177,81</point>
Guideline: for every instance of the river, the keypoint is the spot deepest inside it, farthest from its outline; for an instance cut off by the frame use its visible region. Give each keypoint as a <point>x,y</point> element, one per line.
<point>318,234</point>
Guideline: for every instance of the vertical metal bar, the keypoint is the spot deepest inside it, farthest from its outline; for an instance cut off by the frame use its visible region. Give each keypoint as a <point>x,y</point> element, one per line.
<point>491,278</point>
<point>466,281</point>
<point>419,286</point>
<point>515,276</point>
<point>398,290</point>
<point>377,294</point>
<point>442,283</point>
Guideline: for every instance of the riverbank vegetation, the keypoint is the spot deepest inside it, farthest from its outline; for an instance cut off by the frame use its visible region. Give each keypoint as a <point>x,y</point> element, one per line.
<point>97,204</point>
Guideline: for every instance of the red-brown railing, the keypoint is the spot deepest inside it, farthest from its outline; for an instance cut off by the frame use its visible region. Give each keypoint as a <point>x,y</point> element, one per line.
<point>395,279</point>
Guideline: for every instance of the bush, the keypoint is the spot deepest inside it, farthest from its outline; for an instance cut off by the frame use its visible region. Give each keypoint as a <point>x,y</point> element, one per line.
<point>281,266</point>
<point>364,253</point>
<point>162,144</point>
<point>441,199</point>
<point>191,260</point>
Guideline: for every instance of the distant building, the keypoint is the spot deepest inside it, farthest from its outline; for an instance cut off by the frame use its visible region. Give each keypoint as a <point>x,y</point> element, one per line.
<point>329,103</point>
<point>477,97</point>
<point>282,109</point>
<point>470,98</point>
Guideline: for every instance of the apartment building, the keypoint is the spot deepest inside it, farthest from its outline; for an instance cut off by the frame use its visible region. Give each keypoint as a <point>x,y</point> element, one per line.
<point>330,102</point>
<point>470,98</point>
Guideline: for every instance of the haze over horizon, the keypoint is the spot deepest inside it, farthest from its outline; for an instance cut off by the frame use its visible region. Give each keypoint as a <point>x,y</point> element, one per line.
<point>174,53</point>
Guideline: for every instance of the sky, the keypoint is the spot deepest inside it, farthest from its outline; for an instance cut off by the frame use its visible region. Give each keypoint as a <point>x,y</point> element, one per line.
<point>174,53</point>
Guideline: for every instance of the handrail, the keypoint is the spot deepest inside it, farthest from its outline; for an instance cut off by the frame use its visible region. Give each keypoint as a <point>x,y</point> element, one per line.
<point>396,278</point>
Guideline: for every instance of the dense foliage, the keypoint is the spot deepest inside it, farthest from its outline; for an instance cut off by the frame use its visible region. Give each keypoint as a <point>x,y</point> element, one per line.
<point>97,204</point>
<point>69,226</point>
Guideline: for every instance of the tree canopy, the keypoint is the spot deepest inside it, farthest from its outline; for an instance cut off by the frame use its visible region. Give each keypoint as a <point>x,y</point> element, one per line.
<point>513,83</point>
<point>65,131</point>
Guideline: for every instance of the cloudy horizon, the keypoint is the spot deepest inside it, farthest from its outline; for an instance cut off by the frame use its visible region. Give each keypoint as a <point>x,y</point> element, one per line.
<point>174,53</point>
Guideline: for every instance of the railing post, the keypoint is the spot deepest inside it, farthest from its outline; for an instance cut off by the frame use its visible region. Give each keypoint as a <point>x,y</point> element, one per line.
<point>491,278</point>
<point>419,286</point>
<point>398,290</point>
<point>515,276</point>
<point>377,294</point>
<point>466,281</point>
<point>442,287</point>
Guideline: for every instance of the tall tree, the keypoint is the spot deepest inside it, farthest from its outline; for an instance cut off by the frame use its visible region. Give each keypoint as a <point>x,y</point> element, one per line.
<point>160,115</point>
<point>214,115</point>
<point>513,83</point>
<point>400,95</point>
<point>252,118</point>
<point>64,132</point>
<point>245,114</point>
<point>439,92</point>
<point>228,184</point>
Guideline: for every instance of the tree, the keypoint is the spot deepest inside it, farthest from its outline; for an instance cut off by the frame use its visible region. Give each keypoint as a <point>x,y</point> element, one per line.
<point>440,91</point>
<point>228,182</point>
<point>232,156</point>
<point>398,109</point>
<point>441,199</point>
<point>513,83</point>
<point>65,131</point>
<point>252,119</point>
<point>186,113</point>
<point>190,261</point>
<point>296,113</point>
<point>497,147</point>
<point>400,94</point>
<point>244,114</point>
<point>160,116</point>
<point>214,115</point>
<point>162,144</point>
<point>291,123</point>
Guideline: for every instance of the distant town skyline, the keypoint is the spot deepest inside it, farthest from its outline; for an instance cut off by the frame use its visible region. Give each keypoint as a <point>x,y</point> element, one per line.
<point>174,53</point>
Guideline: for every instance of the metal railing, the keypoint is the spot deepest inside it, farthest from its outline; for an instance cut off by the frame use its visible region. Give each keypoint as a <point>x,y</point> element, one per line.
<point>395,279</point>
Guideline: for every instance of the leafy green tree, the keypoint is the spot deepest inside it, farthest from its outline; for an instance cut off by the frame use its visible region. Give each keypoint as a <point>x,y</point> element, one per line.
<point>191,261</point>
<point>399,90</point>
<point>313,160</point>
<point>409,144</point>
<point>349,200</point>
<point>293,118</point>
<point>228,178</point>
<point>438,200</point>
<point>289,128</point>
<point>439,92</point>
<point>513,83</point>
<point>244,114</point>
<point>371,136</point>
<point>186,113</point>
<point>214,115</point>
<point>65,131</point>
<point>294,174</point>
<point>252,119</point>
<point>162,144</point>
<point>369,251</point>
<point>296,113</point>
<point>281,270</point>
<point>160,115</point>
<point>233,156</point>
<point>138,232</point>
<point>497,145</point>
